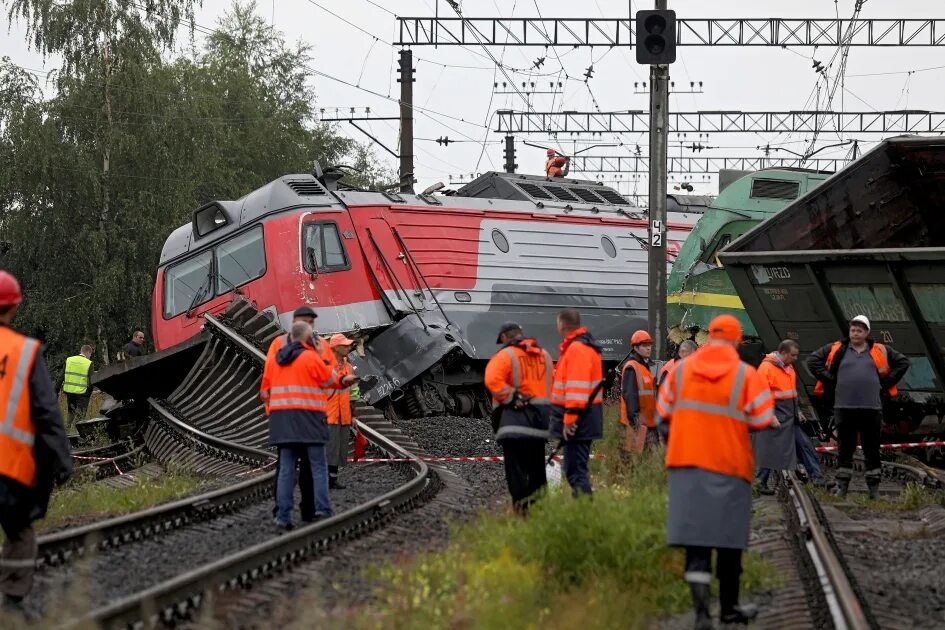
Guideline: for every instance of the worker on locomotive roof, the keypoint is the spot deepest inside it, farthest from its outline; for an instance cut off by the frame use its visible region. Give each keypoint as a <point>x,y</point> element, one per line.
<point>519,378</point>
<point>638,395</point>
<point>294,387</point>
<point>135,347</point>
<point>340,416</point>
<point>555,165</point>
<point>577,398</point>
<point>854,377</point>
<point>777,450</point>
<point>685,348</point>
<point>307,502</point>
<point>76,383</point>
<point>34,450</point>
<point>710,403</point>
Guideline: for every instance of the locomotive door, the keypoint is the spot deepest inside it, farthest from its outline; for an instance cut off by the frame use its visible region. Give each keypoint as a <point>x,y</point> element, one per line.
<point>330,283</point>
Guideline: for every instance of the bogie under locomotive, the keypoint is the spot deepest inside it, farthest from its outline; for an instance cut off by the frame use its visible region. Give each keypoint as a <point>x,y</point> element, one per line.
<point>423,281</point>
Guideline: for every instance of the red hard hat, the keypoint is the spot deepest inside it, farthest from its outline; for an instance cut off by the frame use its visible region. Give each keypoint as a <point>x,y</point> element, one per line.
<point>640,336</point>
<point>550,152</point>
<point>9,290</point>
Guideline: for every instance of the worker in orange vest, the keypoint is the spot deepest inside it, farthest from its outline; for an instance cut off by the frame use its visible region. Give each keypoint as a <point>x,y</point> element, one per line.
<point>638,394</point>
<point>34,450</point>
<point>294,387</point>
<point>340,416</point>
<point>710,403</point>
<point>519,378</point>
<point>777,450</point>
<point>577,398</point>
<point>307,501</point>
<point>685,348</point>
<point>854,376</point>
<point>555,165</point>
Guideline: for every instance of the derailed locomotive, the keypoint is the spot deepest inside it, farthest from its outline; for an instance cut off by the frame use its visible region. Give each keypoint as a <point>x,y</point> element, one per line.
<point>423,281</point>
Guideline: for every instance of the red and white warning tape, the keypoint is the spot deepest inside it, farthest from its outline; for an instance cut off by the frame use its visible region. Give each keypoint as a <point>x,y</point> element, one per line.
<point>440,460</point>
<point>894,445</point>
<point>101,459</point>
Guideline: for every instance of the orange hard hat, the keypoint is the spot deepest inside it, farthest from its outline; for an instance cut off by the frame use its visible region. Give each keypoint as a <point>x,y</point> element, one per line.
<point>726,328</point>
<point>339,340</point>
<point>640,337</point>
<point>550,152</point>
<point>9,290</point>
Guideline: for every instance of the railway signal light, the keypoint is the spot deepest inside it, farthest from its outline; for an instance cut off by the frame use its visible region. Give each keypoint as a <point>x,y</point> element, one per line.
<point>656,37</point>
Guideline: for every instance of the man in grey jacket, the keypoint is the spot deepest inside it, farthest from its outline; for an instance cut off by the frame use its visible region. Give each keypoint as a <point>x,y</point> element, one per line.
<point>855,375</point>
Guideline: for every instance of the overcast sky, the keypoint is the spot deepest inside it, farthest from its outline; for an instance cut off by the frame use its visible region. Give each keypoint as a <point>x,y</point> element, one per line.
<point>750,79</point>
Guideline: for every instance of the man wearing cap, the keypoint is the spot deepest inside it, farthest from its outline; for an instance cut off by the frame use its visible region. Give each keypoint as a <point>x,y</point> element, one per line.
<point>854,375</point>
<point>34,450</point>
<point>519,378</point>
<point>712,401</point>
<point>340,418</point>
<point>307,503</point>
<point>638,394</point>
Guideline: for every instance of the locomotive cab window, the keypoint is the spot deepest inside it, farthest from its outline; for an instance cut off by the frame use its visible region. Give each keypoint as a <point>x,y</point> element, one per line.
<point>187,284</point>
<point>240,260</point>
<point>322,248</point>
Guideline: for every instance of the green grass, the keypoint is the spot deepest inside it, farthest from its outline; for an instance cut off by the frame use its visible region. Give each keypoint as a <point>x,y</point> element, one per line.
<point>574,563</point>
<point>913,497</point>
<point>82,502</point>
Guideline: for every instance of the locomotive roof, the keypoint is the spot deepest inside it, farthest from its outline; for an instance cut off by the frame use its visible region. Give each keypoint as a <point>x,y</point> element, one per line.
<point>564,195</point>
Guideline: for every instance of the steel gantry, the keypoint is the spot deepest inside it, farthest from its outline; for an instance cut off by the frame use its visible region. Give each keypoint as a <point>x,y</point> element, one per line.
<point>904,121</point>
<point>698,165</point>
<point>455,31</point>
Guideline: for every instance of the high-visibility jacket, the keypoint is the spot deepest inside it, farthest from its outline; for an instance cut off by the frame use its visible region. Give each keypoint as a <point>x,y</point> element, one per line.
<point>339,400</point>
<point>323,349</point>
<point>577,374</point>
<point>645,394</point>
<point>76,380</point>
<point>782,381</point>
<point>553,167</point>
<point>880,358</point>
<point>301,384</point>
<point>666,369</point>
<point>17,431</point>
<point>521,370</point>
<point>713,401</point>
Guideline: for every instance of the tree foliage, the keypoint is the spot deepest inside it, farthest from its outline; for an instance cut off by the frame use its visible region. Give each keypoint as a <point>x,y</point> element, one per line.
<point>130,138</point>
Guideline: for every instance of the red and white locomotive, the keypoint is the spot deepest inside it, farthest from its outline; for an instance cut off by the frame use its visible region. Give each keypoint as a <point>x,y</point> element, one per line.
<point>424,280</point>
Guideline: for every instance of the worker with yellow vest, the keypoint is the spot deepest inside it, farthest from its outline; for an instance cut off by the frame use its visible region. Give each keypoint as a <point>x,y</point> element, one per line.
<point>711,402</point>
<point>854,376</point>
<point>340,416</point>
<point>76,383</point>
<point>638,394</point>
<point>34,450</point>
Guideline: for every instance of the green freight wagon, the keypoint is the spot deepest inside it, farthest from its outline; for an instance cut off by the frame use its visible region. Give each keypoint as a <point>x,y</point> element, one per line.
<point>870,240</point>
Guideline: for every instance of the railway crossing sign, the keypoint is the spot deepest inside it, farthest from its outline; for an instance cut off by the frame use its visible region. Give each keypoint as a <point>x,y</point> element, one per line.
<point>656,234</point>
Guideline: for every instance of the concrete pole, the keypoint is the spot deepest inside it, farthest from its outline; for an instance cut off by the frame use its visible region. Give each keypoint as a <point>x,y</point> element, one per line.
<point>659,127</point>
<point>406,121</point>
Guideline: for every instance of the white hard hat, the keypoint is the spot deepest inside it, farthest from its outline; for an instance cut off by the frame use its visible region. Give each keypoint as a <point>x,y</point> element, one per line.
<point>861,319</point>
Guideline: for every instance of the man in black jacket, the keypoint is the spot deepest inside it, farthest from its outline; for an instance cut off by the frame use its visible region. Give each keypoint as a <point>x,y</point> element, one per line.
<point>854,375</point>
<point>34,450</point>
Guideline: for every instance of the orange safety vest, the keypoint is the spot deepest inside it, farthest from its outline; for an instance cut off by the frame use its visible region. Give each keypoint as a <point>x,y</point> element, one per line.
<point>301,384</point>
<point>880,358</point>
<point>17,433</point>
<point>323,348</point>
<point>577,374</point>
<point>553,167</point>
<point>339,401</point>
<point>522,366</point>
<point>646,394</point>
<point>782,381</point>
<point>667,368</point>
<point>711,419</point>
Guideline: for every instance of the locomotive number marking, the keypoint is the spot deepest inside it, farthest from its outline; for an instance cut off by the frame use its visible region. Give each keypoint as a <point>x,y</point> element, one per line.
<point>887,336</point>
<point>656,234</point>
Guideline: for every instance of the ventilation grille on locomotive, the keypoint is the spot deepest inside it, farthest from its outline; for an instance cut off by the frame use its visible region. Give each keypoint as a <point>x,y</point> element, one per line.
<point>561,193</point>
<point>774,189</point>
<point>306,187</point>
<point>535,191</point>
<point>586,194</point>
<point>573,193</point>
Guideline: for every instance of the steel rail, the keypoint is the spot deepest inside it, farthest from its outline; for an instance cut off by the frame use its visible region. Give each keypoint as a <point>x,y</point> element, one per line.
<point>845,608</point>
<point>176,598</point>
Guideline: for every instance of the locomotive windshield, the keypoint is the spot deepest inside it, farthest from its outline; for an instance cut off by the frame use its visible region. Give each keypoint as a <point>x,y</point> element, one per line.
<point>184,281</point>
<point>322,247</point>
